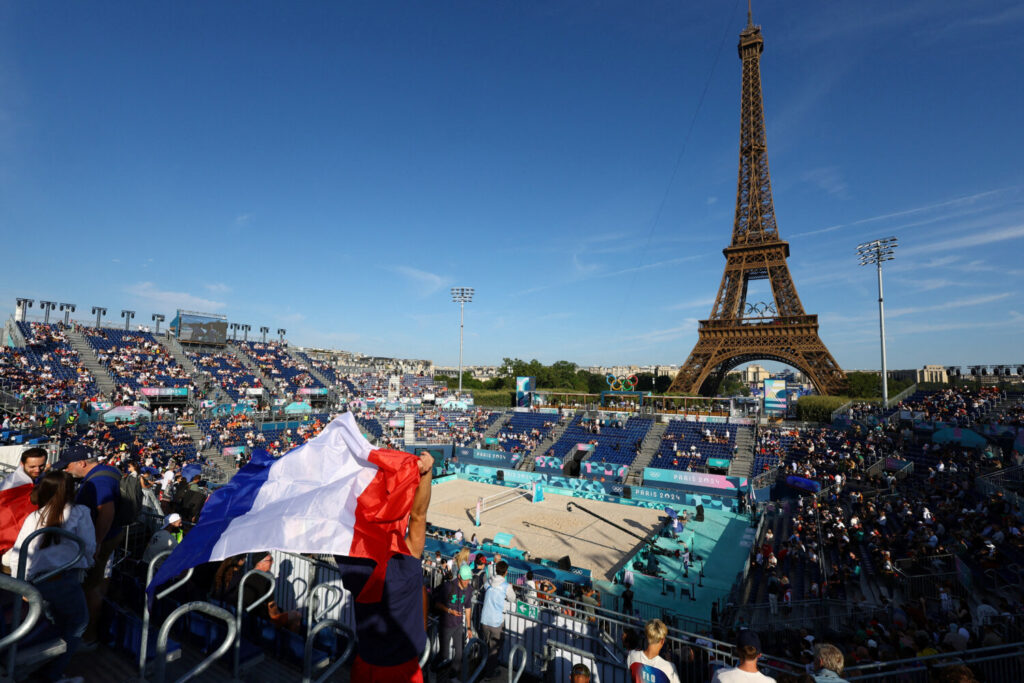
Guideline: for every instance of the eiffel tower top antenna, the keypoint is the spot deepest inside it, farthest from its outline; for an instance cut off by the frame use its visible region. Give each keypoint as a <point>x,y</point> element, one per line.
<point>750,15</point>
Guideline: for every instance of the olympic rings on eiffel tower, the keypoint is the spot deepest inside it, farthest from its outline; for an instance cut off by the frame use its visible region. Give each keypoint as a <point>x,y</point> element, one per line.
<point>623,383</point>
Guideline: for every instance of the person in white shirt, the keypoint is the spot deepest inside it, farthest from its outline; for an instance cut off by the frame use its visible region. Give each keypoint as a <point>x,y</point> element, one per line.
<point>33,463</point>
<point>647,666</point>
<point>55,496</point>
<point>748,649</point>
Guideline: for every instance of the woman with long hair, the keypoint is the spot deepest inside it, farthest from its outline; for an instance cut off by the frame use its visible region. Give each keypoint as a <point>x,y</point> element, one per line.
<point>55,496</point>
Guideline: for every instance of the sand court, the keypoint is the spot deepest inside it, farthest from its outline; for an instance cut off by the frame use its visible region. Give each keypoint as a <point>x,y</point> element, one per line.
<point>546,529</point>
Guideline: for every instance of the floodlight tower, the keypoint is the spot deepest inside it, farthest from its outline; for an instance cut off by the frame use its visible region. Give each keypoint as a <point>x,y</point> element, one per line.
<point>22,310</point>
<point>158,318</point>
<point>876,252</point>
<point>280,334</point>
<point>47,306</point>
<point>461,296</point>
<point>67,309</point>
<point>234,330</point>
<point>100,312</point>
<point>263,331</point>
<point>245,331</point>
<point>127,315</point>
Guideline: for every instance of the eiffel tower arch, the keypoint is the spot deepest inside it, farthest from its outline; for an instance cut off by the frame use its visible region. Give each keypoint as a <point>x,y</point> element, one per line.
<point>739,331</point>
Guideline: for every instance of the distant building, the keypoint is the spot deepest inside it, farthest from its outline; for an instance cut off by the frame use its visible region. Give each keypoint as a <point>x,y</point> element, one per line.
<point>754,374</point>
<point>930,374</point>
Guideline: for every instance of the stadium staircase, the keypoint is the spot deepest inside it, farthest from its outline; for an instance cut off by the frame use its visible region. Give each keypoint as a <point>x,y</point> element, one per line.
<point>743,461</point>
<point>499,424</point>
<point>270,386</point>
<point>394,387</point>
<point>313,371</point>
<point>207,386</point>
<point>12,331</point>
<point>648,448</point>
<point>104,382</point>
<point>410,428</point>
<point>529,460</point>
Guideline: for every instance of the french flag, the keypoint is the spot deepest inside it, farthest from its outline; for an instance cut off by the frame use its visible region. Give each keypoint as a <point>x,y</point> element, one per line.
<point>15,506</point>
<point>336,494</point>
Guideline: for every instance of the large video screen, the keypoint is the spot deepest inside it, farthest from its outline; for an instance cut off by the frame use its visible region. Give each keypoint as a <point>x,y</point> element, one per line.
<point>199,329</point>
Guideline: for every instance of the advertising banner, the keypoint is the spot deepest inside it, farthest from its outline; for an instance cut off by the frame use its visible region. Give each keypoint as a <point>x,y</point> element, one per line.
<point>312,391</point>
<point>548,462</point>
<point>719,484</point>
<point>603,469</point>
<point>894,464</point>
<point>775,396</point>
<point>719,463</point>
<point>232,451</point>
<point>525,387</point>
<point>164,391</point>
<point>255,391</point>
<point>486,457</point>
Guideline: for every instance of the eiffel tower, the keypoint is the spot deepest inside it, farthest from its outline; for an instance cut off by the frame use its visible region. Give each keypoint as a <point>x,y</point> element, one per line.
<point>739,331</point>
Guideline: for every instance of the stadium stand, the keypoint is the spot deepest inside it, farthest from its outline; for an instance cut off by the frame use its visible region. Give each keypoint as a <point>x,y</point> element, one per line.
<point>688,445</point>
<point>47,369</point>
<point>278,366</point>
<point>226,370</point>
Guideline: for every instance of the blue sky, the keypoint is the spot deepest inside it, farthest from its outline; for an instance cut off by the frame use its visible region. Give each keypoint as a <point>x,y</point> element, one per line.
<point>333,168</point>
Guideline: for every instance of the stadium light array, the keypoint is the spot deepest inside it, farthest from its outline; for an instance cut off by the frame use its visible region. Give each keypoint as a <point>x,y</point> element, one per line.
<point>158,318</point>
<point>23,306</point>
<point>67,309</point>
<point>127,315</point>
<point>99,311</point>
<point>461,296</point>
<point>875,253</point>
<point>280,334</point>
<point>245,331</point>
<point>263,331</point>
<point>234,330</point>
<point>47,306</point>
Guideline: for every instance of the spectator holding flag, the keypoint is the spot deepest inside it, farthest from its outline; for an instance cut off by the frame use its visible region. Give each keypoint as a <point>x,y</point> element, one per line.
<point>15,489</point>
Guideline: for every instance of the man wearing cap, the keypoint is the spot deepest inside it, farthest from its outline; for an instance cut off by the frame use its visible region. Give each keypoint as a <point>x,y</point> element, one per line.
<point>167,538</point>
<point>455,603</point>
<point>99,491</point>
<point>748,651</point>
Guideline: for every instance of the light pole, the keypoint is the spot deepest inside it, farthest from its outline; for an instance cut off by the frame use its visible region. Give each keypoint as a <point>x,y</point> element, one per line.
<point>461,296</point>
<point>245,331</point>
<point>234,331</point>
<point>99,311</point>
<point>263,331</point>
<point>22,310</point>
<point>127,315</point>
<point>280,334</point>
<point>47,306</point>
<point>876,252</point>
<point>68,309</point>
<point>158,318</point>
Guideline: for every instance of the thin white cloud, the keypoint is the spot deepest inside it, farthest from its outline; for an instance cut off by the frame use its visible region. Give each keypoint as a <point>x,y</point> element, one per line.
<point>426,282</point>
<point>217,287</point>
<point>959,201</point>
<point>243,219</point>
<point>702,302</point>
<point>947,305</point>
<point>968,241</point>
<point>168,299</point>
<point>829,179</point>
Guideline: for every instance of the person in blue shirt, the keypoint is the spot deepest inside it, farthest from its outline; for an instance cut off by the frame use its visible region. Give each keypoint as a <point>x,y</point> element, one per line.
<point>99,490</point>
<point>492,617</point>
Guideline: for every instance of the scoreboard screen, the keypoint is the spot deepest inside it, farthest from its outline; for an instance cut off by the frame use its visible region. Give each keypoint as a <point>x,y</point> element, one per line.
<point>201,329</point>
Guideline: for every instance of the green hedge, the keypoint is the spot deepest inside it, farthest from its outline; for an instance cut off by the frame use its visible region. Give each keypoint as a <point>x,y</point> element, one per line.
<point>501,398</point>
<point>818,408</point>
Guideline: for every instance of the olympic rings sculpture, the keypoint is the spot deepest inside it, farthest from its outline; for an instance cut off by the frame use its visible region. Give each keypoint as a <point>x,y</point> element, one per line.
<point>622,383</point>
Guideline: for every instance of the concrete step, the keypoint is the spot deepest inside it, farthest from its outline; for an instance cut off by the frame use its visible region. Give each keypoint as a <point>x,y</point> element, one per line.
<point>104,381</point>
<point>648,449</point>
<point>497,426</point>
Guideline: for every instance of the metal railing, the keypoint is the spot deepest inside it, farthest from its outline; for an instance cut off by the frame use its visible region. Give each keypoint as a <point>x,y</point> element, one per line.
<point>12,650</point>
<point>165,631</point>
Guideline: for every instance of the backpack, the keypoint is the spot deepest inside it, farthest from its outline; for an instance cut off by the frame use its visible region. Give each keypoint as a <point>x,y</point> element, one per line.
<point>129,504</point>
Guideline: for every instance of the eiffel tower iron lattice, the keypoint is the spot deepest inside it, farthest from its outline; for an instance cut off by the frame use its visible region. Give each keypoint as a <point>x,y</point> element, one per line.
<point>739,331</point>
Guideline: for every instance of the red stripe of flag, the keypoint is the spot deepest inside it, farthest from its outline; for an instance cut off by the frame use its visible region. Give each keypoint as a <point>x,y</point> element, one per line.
<point>15,506</point>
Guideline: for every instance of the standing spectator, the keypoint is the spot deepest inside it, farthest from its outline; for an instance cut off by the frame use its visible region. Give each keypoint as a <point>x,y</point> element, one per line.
<point>167,538</point>
<point>392,632</point>
<point>492,618</point>
<point>455,602</point>
<point>100,492</point>
<point>748,650</point>
<point>648,665</point>
<point>63,592</point>
<point>828,664</point>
